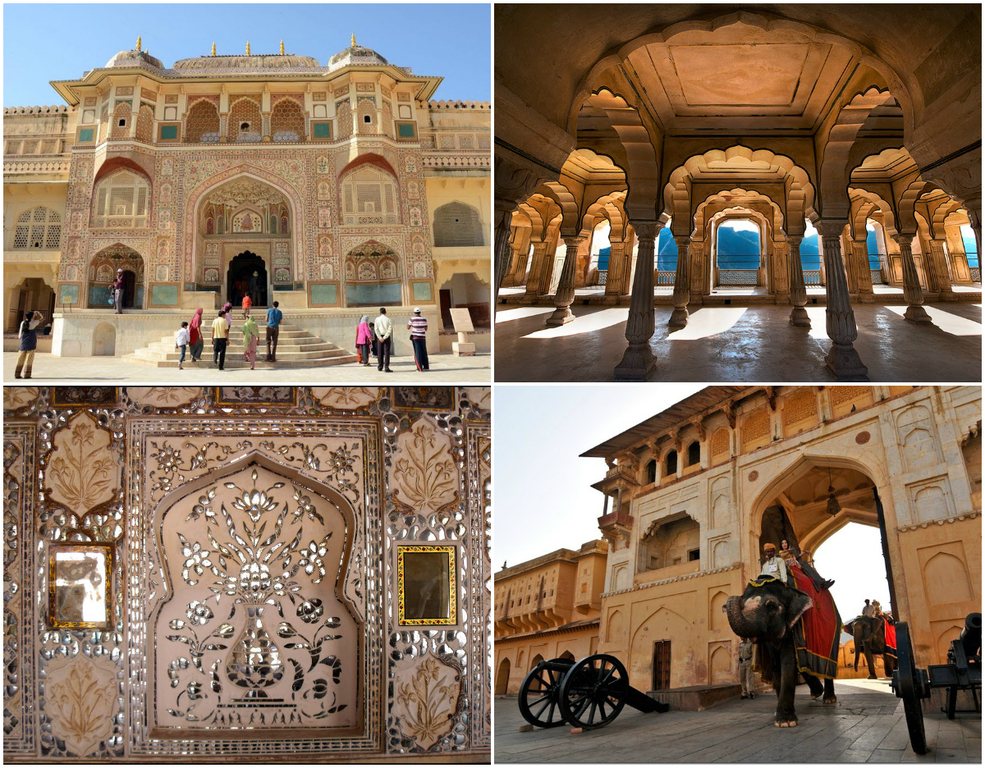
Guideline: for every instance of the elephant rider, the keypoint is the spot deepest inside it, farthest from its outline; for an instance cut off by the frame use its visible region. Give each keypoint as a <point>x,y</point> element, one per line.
<point>869,610</point>
<point>795,558</point>
<point>772,564</point>
<point>877,609</point>
<point>745,668</point>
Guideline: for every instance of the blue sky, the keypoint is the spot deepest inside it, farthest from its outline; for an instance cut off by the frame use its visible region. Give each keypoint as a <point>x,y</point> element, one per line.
<point>61,41</point>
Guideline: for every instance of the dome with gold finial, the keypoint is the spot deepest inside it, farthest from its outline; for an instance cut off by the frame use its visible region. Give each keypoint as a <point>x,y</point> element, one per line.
<point>355,55</point>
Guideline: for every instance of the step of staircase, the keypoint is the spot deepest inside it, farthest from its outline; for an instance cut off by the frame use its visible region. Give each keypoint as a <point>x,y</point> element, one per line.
<point>296,348</point>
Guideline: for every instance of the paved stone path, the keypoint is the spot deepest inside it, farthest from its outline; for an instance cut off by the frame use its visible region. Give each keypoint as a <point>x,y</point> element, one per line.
<point>445,369</point>
<point>867,725</point>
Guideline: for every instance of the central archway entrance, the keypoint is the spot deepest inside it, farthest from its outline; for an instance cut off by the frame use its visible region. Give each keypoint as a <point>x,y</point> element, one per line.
<point>247,274</point>
<point>102,273</point>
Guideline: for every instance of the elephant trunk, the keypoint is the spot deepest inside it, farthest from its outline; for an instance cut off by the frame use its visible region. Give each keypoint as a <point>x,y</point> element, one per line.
<point>737,619</point>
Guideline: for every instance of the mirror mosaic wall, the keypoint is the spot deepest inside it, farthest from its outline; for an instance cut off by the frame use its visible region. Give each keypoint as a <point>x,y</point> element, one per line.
<point>225,565</point>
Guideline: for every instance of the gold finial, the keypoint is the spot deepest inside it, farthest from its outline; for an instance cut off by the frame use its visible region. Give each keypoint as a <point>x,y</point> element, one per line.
<point>138,42</point>
<point>213,49</point>
<point>247,47</point>
<point>353,39</point>
<point>281,47</point>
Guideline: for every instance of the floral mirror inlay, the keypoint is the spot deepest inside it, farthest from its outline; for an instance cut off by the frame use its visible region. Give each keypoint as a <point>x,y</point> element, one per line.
<point>255,633</point>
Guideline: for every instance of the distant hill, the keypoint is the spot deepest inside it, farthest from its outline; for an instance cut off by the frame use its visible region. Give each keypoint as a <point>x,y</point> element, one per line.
<point>738,248</point>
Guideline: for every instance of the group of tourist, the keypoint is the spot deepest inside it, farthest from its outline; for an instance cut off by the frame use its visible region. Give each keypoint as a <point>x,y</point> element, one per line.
<point>376,337</point>
<point>191,338</point>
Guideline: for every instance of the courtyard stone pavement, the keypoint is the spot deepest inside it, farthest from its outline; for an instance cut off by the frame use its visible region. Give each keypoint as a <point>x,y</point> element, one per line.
<point>867,725</point>
<point>445,369</point>
<point>740,344</point>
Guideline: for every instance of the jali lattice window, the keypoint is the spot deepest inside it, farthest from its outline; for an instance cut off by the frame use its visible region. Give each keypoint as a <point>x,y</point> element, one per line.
<point>121,121</point>
<point>245,122</point>
<point>121,201</point>
<point>457,224</point>
<point>369,196</point>
<point>202,123</point>
<point>287,121</point>
<point>145,124</point>
<point>38,228</point>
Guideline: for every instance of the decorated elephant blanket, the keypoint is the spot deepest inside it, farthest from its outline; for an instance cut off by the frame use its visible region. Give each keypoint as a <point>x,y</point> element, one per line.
<point>890,639</point>
<point>817,635</point>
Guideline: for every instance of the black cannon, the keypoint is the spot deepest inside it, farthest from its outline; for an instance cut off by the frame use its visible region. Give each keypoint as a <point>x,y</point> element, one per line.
<point>963,672</point>
<point>586,694</point>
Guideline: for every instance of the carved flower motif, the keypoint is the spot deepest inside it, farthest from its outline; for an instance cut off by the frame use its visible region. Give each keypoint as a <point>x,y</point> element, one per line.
<point>197,560</point>
<point>199,613</point>
<point>311,559</point>
<point>310,611</point>
<point>254,503</point>
<point>168,458</point>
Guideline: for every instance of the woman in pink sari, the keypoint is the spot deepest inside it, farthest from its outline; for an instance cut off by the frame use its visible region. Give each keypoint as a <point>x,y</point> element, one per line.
<point>195,339</point>
<point>251,337</point>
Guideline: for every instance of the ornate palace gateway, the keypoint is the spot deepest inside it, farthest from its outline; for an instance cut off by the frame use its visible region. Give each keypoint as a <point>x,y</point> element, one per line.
<point>330,189</point>
<point>262,573</point>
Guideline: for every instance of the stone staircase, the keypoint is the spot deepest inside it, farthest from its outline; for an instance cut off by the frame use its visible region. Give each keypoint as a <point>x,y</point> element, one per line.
<point>296,348</point>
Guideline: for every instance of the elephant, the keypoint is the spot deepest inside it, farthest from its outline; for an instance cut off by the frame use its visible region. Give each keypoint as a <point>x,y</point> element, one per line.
<point>870,638</point>
<point>772,613</point>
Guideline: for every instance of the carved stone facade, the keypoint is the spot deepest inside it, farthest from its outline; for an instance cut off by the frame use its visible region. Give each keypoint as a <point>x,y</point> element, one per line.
<point>203,177</point>
<point>692,494</point>
<point>251,597</point>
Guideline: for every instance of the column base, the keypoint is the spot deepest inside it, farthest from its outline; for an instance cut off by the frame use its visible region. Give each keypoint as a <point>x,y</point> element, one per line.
<point>637,363</point>
<point>843,361</point>
<point>917,314</point>
<point>610,300</point>
<point>678,318</point>
<point>559,317</point>
<point>799,317</point>
<point>866,297</point>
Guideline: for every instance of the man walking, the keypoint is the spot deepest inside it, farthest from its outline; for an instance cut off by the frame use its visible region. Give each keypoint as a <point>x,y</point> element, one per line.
<point>28,333</point>
<point>118,292</point>
<point>220,338</point>
<point>418,329</point>
<point>745,669</point>
<point>383,329</point>
<point>274,316</point>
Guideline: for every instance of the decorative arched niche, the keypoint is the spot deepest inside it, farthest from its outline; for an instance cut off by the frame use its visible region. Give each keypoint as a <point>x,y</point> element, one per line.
<point>254,634</point>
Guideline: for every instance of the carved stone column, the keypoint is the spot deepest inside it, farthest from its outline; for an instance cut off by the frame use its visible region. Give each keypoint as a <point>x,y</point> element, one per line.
<point>696,254</point>
<point>628,268</point>
<point>842,358</point>
<point>565,293</point>
<point>536,268</point>
<point>617,267</point>
<point>798,291</point>
<point>863,277</point>
<point>638,361</point>
<point>682,284</point>
<point>938,275</point>
<point>504,215</point>
<point>519,271</point>
<point>912,291</point>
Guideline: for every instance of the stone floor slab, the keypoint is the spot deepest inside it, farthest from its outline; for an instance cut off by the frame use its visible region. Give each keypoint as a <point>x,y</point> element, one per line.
<point>73,370</point>
<point>740,344</point>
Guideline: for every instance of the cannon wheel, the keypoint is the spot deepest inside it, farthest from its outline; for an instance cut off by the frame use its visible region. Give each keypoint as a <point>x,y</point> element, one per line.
<point>908,688</point>
<point>539,694</point>
<point>594,691</point>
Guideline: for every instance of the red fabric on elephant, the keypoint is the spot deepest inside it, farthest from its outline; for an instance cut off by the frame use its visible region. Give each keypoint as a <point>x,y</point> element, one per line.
<point>890,639</point>
<point>817,634</point>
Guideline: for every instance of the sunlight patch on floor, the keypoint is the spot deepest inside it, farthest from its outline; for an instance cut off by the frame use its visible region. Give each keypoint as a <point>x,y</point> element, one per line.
<point>947,322</point>
<point>505,315</point>
<point>708,321</point>
<point>819,328</point>
<point>584,324</point>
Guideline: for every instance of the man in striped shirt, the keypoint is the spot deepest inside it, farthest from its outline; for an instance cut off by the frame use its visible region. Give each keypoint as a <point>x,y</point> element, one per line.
<point>418,330</point>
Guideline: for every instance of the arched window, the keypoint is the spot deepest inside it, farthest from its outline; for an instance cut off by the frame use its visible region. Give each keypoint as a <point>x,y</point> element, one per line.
<point>970,245</point>
<point>121,121</point>
<point>38,228</point>
<point>738,250</point>
<point>369,196</point>
<point>670,464</point>
<point>245,123</point>
<point>694,453</point>
<point>287,121</point>
<point>651,471</point>
<point>121,200</point>
<point>457,224</point>
<point>202,123</point>
<point>810,255</point>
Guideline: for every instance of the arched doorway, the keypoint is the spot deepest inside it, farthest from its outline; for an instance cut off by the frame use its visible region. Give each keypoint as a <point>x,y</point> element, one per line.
<point>247,274</point>
<point>373,276</point>
<point>102,274</point>
<point>32,293</point>
<point>503,677</point>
